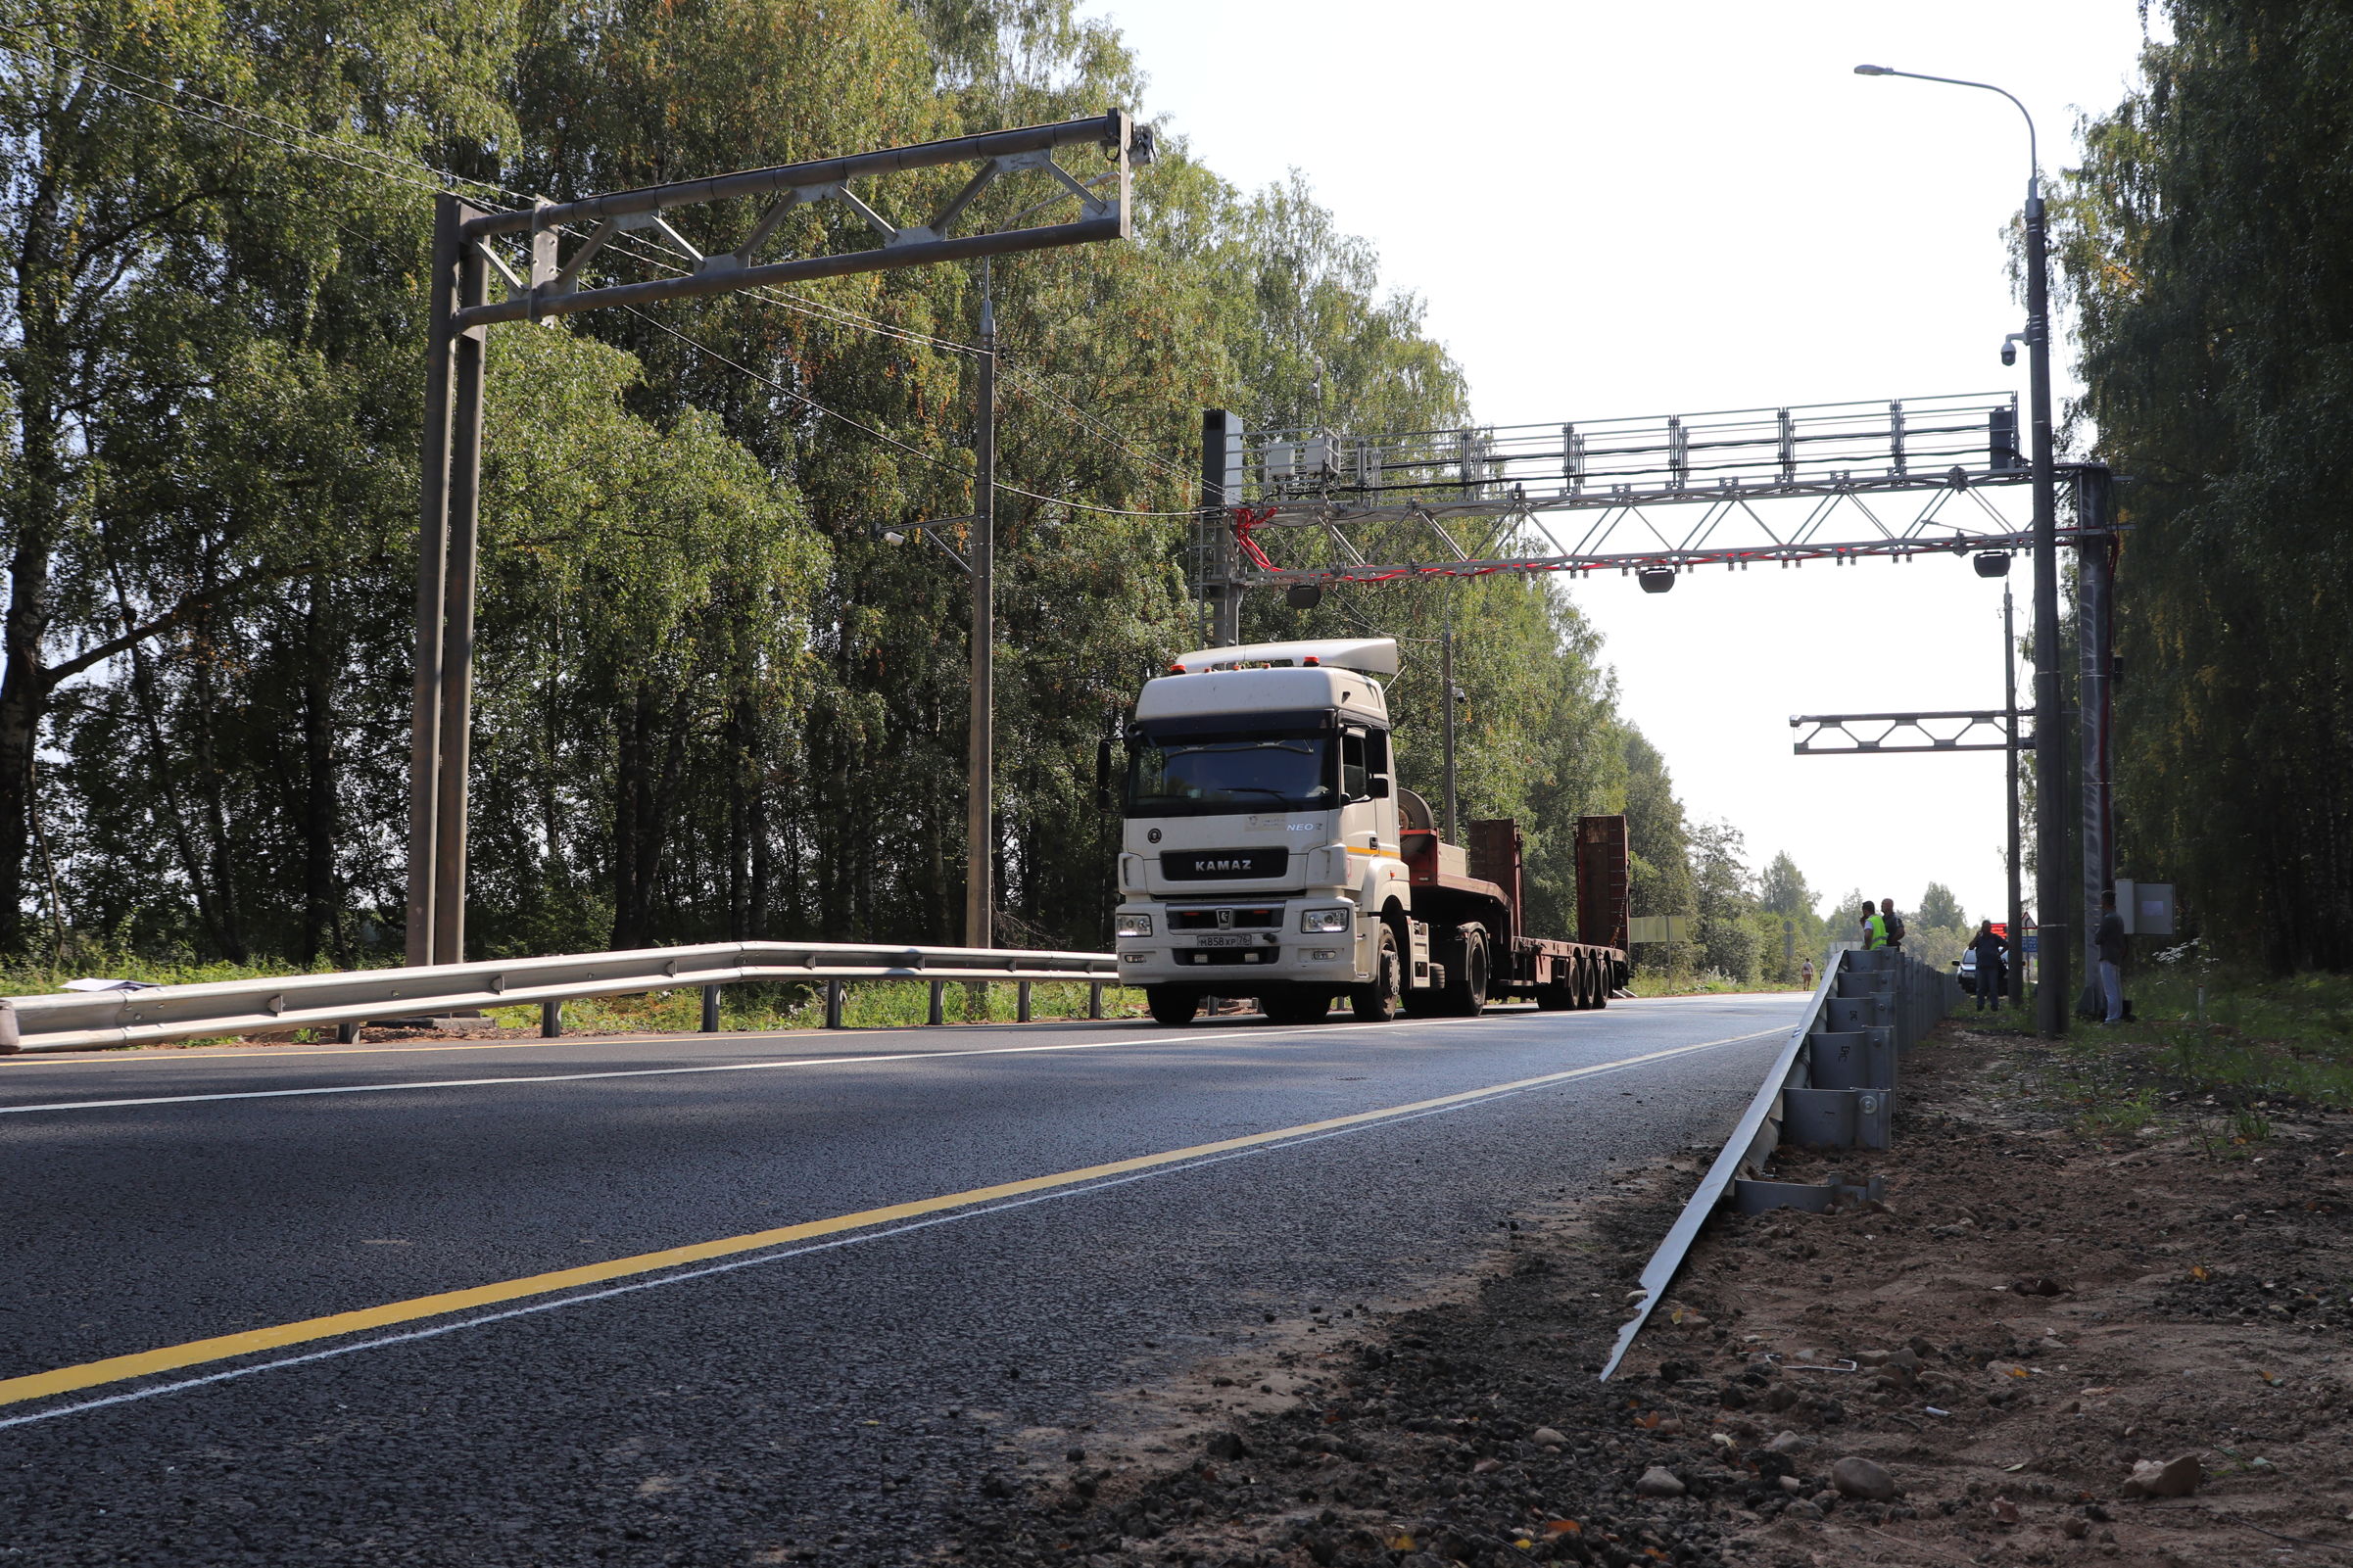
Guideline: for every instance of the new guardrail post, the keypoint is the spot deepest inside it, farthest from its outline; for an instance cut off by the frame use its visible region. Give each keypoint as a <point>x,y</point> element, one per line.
<point>939,1013</point>
<point>347,1032</point>
<point>833,1003</point>
<point>1021,1003</point>
<point>1094,1001</point>
<point>711,1010</point>
<point>551,1020</point>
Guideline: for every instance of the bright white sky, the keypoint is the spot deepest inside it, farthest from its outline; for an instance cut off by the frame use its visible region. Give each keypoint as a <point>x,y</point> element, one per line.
<point>1617,209</point>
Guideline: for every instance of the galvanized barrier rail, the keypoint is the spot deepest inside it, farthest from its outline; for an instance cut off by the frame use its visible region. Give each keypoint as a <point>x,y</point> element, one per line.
<point>84,1020</point>
<point>1834,1085</point>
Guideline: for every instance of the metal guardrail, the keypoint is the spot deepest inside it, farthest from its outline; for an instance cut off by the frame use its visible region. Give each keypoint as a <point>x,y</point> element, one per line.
<point>85,1020</point>
<point>1916,996</point>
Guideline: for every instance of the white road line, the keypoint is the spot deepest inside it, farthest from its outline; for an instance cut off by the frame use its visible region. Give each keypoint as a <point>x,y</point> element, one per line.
<point>885,1234</point>
<point>1166,1038</point>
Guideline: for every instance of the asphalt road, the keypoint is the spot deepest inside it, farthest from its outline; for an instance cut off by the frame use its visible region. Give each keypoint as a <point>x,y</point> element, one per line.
<point>899,1249</point>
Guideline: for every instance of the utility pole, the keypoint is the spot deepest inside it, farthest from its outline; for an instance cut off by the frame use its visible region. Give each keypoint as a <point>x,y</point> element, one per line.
<point>1446,679</point>
<point>2050,714</point>
<point>442,704</point>
<point>467,246</point>
<point>2016,997</point>
<point>1221,493</point>
<point>979,852</point>
<point>2094,625</point>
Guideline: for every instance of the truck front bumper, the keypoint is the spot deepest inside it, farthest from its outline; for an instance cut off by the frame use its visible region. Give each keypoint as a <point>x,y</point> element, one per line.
<point>1239,958</point>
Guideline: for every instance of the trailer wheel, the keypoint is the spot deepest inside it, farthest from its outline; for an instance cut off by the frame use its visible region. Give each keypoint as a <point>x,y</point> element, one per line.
<point>1377,1003</point>
<point>1172,1005</point>
<point>1557,998</point>
<point>1601,976</point>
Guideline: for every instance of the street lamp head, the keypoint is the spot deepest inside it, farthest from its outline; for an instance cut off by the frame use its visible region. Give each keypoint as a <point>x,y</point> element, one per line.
<point>1874,70</point>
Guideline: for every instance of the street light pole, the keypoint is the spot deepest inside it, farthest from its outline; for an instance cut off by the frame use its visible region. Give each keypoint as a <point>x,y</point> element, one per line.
<point>2051,729</point>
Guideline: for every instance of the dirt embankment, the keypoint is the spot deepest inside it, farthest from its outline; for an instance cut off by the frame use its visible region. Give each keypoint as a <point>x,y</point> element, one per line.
<point>2035,1311</point>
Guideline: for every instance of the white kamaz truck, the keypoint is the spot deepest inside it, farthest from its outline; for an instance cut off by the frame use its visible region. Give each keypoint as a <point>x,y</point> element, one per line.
<point>1268,851</point>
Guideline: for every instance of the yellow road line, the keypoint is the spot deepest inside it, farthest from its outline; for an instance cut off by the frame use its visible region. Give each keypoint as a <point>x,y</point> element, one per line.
<point>171,1357</point>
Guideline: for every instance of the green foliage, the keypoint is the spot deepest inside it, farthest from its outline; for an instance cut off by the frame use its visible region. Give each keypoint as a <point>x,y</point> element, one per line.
<point>1938,908</point>
<point>710,703</point>
<point>1781,890</point>
<point>1729,943</point>
<point>2207,243</point>
<point>1659,845</point>
<point>2237,1043</point>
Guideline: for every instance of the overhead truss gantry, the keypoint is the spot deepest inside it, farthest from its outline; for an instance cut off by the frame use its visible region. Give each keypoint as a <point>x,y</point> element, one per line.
<point>1832,482</point>
<point>786,224</point>
<point>1846,735</point>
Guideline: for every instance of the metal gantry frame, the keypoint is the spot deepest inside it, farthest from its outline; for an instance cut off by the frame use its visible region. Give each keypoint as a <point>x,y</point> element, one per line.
<point>1829,482</point>
<point>1968,730</point>
<point>543,281</point>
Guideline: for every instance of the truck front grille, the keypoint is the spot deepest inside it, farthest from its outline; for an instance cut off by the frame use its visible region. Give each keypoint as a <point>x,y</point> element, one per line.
<point>1212,865</point>
<point>1208,919</point>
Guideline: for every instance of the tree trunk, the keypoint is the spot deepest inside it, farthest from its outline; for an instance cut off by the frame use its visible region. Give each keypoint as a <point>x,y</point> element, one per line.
<point>216,809</point>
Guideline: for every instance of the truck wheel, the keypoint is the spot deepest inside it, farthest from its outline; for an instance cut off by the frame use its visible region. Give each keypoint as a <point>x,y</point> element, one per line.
<point>1465,993</point>
<point>1296,1007</point>
<point>1377,1003</point>
<point>1170,1006</point>
<point>1559,995</point>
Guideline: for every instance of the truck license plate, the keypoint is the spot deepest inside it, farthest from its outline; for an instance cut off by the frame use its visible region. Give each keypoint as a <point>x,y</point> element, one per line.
<point>1230,939</point>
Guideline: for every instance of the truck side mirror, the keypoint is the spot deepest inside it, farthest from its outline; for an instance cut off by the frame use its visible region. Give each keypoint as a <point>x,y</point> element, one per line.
<point>1376,787</point>
<point>1103,773</point>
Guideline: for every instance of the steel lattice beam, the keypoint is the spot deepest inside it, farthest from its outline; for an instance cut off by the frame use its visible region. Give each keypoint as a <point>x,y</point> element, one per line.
<point>548,283</point>
<point>1832,483</point>
<point>1966,729</point>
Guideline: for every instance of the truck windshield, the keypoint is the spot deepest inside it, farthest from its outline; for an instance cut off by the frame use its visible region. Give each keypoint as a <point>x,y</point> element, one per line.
<point>1201,776</point>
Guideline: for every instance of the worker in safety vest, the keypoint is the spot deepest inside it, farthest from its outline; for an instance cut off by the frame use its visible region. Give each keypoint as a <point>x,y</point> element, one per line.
<point>1875,928</point>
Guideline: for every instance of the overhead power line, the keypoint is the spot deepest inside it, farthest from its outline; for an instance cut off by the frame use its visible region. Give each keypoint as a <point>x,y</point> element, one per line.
<point>403,168</point>
<point>882,435</point>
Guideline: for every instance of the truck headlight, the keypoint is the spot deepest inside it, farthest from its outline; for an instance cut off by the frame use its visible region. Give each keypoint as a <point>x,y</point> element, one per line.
<point>1325,920</point>
<point>1132,925</point>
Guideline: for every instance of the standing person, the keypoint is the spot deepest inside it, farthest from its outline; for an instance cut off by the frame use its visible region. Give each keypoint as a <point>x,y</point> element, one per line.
<point>2111,956</point>
<point>1875,928</point>
<point>1992,975</point>
<point>1892,921</point>
<point>1808,973</point>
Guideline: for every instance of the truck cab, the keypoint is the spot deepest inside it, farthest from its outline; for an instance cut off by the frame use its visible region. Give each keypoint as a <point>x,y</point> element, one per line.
<point>1261,839</point>
<point>1267,851</point>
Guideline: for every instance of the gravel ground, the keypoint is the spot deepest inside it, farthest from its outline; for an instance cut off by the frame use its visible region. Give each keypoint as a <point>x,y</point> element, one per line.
<point>1968,1372</point>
